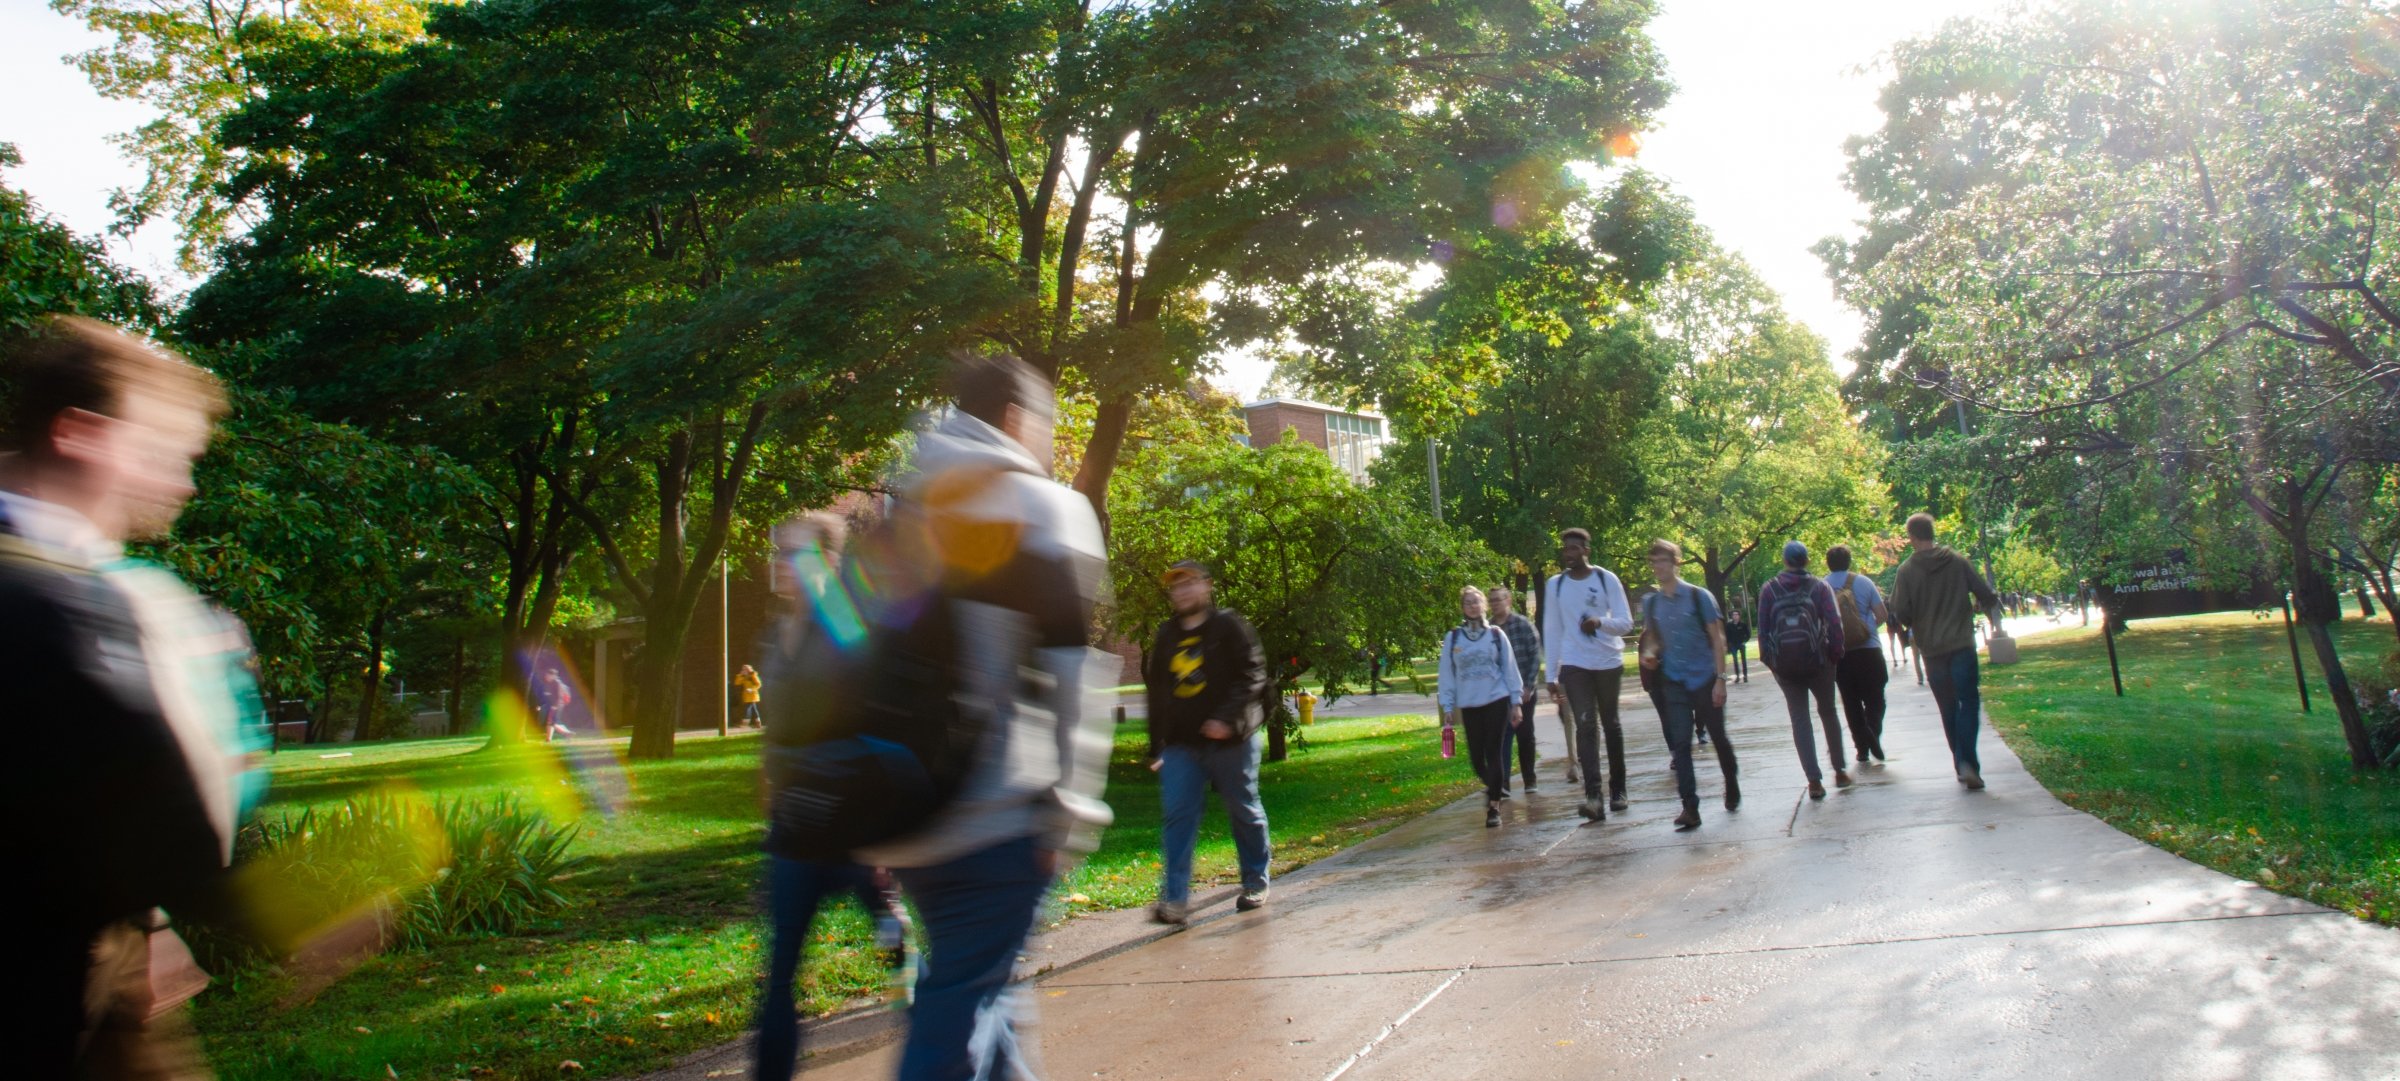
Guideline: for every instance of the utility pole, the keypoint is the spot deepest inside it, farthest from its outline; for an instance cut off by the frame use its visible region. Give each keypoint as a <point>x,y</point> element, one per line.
<point>1433,474</point>
<point>724,648</point>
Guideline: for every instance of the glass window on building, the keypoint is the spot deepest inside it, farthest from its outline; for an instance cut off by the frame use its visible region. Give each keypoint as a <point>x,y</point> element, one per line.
<point>1353,442</point>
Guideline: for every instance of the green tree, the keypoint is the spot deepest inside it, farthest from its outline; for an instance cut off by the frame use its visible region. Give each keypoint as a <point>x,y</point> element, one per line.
<point>1329,571</point>
<point>46,269</point>
<point>186,58</point>
<point>2169,243</point>
<point>1751,444</point>
<point>1241,146</point>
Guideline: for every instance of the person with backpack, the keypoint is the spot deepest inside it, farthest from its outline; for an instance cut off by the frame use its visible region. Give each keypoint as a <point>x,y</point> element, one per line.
<point>1585,619</point>
<point>1527,641</point>
<point>1478,687</point>
<point>1203,681</point>
<point>1862,673</point>
<point>1935,595</point>
<point>967,742</point>
<point>808,550</point>
<point>131,697</point>
<point>1800,641</point>
<point>1683,657</point>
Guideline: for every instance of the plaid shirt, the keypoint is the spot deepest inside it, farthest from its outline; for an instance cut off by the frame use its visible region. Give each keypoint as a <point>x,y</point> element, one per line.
<point>1528,644</point>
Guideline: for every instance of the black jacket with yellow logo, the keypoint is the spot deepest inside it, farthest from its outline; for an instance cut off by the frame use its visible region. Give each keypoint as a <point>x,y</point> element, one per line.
<point>1215,671</point>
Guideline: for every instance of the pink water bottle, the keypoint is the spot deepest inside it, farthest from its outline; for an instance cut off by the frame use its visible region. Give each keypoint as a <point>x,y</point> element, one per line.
<point>1449,742</point>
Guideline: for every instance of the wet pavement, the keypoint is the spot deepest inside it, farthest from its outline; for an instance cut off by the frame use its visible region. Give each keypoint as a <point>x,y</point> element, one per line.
<point>1900,928</point>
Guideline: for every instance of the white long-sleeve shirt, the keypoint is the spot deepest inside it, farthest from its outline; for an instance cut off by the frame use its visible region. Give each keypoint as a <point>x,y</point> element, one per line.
<point>1565,601</point>
<point>1478,669</point>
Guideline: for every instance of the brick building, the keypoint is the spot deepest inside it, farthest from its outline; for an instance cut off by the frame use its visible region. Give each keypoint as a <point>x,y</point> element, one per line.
<point>1353,439</point>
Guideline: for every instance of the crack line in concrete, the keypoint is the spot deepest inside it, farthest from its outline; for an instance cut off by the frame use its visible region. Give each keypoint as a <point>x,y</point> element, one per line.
<point>1704,954</point>
<point>1389,1029</point>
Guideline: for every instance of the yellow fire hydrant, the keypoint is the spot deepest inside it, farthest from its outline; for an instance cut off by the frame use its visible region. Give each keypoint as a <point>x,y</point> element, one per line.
<point>1307,704</point>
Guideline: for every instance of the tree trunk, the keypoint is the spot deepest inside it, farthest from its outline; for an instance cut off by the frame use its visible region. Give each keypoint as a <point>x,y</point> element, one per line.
<point>2316,604</point>
<point>658,691</point>
<point>1100,453</point>
<point>370,700</point>
<point>458,686</point>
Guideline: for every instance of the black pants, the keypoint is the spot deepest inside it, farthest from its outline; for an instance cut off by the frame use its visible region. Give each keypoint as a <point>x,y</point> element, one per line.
<point>1592,698</point>
<point>1741,662</point>
<point>1861,678</point>
<point>1519,736</point>
<point>1486,725</point>
<point>1681,712</point>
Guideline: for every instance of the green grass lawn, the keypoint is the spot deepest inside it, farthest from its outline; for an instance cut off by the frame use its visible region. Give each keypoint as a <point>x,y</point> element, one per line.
<point>658,954</point>
<point>2208,755</point>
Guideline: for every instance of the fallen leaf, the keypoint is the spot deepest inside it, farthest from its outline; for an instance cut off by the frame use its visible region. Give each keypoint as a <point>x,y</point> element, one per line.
<point>499,990</point>
<point>363,1030</point>
<point>570,1066</point>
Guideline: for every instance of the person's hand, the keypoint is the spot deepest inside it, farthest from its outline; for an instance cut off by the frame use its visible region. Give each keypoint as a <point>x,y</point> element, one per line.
<point>1717,697</point>
<point>1215,729</point>
<point>1650,661</point>
<point>1155,763</point>
<point>1590,625</point>
<point>1045,860</point>
<point>1553,690</point>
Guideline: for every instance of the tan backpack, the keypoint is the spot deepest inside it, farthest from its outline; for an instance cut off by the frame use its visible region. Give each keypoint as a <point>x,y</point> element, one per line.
<point>1855,632</point>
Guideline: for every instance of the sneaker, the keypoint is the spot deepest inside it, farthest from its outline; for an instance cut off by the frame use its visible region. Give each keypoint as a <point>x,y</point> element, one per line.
<point>1491,816</point>
<point>1528,786</point>
<point>1733,795</point>
<point>1574,777</point>
<point>1862,758</point>
<point>1841,779</point>
<point>1689,819</point>
<point>1171,913</point>
<point>1879,755</point>
<point>1504,793</point>
<point>1252,900</point>
<point>1618,804</point>
<point>1591,811</point>
<point>1816,790</point>
<point>1972,779</point>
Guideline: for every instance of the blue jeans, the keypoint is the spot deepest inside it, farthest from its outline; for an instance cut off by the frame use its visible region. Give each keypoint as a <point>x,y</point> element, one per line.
<point>1680,709</point>
<point>1956,681</point>
<point>977,910</point>
<point>795,890</point>
<point>1185,774</point>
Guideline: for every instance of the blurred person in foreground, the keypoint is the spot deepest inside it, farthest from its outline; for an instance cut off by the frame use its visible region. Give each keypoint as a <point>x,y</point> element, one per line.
<point>808,550</point>
<point>1023,561</point>
<point>1203,683</point>
<point>129,692</point>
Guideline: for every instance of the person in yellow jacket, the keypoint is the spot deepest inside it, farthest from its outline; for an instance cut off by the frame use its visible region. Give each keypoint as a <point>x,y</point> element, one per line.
<point>746,681</point>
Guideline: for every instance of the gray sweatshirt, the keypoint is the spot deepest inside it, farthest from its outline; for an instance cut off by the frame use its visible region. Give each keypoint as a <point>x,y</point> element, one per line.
<point>1478,669</point>
<point>1025,655</point>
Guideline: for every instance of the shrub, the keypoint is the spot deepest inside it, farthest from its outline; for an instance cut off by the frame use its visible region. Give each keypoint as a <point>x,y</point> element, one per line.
<point>433,869</point>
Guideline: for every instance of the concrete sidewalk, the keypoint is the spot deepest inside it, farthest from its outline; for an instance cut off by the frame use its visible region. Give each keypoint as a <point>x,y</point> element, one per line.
<point>1900,928</point>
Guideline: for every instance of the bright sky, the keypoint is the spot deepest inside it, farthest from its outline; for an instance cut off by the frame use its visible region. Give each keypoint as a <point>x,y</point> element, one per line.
<point>1767,90</point>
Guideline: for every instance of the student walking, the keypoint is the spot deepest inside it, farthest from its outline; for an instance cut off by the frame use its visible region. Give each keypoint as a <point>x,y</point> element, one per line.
<point>1935,596</point>
<point>1478,688</point>
<point>746,682</point>
<point>1024,666</point>
<point>1862,674</point>
<point>1737,642</point>
<point>1800,641</point>
<point>1527,641</point>
<point>807,550</point>
<point>1584,623</point>
<point>1203,683</point>
<point>1683,661</point>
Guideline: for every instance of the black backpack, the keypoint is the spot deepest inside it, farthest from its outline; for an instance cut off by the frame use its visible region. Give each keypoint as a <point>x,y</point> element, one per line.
<point>866,740</point>
<point>1798,631</point>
